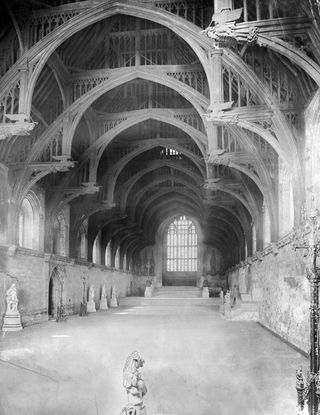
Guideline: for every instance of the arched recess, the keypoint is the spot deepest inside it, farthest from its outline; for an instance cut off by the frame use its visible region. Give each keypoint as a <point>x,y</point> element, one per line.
<point>108,254</point>
<point>56,291</point>
<point>26,224</point>
<point>60,235</point>
<point>30,223</point>
<point>117,258</point>
<point>96,249</point>
<point>83,240</point>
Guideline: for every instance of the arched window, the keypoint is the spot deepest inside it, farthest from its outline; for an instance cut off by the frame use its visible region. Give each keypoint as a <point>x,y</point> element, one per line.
<point>182,246</point>
<point>59,235</point>
<point>117,259</point>
<point>125,265</point>
<point>83,240</point>
<point>96,250</point>
<point>30,217</point>
<point>83,244</point>
<point>107,256</point>
<point>26,225</point>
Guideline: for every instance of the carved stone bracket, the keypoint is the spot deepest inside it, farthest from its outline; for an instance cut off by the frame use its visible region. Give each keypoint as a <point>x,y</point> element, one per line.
<point>218,157</point>
<point>225,32</point>
<point>8,130</point>
<point>85,189</point>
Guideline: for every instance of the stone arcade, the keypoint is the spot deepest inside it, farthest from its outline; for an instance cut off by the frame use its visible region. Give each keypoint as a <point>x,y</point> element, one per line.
<point>161,149</point>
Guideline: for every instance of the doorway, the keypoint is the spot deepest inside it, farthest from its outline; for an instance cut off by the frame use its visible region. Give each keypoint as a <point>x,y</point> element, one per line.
<point>53,293</point>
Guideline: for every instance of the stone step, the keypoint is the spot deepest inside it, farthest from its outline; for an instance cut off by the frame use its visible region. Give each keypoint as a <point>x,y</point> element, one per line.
<point>170,302</point>
<point>177,292</point>
<point>245,311</point>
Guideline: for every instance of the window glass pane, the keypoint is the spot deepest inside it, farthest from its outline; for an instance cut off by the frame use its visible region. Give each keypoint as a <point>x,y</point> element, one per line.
<point>182,245</point>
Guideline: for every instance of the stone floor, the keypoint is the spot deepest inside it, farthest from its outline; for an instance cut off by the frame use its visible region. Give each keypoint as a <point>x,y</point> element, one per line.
<point>196,363</point>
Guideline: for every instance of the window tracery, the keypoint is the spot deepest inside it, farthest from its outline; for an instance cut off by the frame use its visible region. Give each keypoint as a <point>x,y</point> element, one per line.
<point>182,246</point>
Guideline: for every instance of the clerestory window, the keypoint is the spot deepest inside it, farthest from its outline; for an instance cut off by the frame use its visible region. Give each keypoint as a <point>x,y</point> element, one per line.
<point>182,246</point>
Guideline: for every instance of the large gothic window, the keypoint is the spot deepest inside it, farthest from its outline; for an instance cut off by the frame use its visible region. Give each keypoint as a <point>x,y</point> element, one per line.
<point>182,246</point>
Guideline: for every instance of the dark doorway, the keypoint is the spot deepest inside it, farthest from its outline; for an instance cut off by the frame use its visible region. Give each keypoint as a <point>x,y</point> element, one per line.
<point>50,299</point>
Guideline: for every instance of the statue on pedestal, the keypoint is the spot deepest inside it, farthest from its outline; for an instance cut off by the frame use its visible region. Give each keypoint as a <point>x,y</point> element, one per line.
<point>103,300</point>
<point>135,386</point>
<point>114,301</point>
<point>83,304</point>
<point>91,306</point>
<point>221,302</point>
<point>12,320</point>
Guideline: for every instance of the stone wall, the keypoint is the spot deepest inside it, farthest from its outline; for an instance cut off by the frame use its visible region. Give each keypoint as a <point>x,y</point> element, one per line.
<point>276,279</point>
<point>139,283</point>
<point>31,271</point>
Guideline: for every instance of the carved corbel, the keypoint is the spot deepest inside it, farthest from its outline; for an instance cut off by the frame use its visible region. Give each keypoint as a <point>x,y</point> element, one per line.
<point>20,125</point>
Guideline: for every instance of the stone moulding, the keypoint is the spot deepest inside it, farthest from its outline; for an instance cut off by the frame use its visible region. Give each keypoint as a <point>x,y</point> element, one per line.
<point>29,252</point>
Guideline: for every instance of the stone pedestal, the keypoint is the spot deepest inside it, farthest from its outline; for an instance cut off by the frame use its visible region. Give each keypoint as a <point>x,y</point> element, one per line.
<point>148,292</point>
<point>114,301</point>
<point>12,319</point>
<point>103,300</point>
<point>205,292</point>
<point>12,322</point>
<point>91,306</point>
<point>103,304</point>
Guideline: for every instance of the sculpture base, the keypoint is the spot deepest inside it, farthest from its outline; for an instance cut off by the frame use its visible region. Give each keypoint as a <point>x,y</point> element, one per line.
<point>134,409</point>
<point>104,304</point>
<point>91,307</point>
<point>148,292</point>
<point>12,322</point>
<point>114,302</point>
<point>205,292</point>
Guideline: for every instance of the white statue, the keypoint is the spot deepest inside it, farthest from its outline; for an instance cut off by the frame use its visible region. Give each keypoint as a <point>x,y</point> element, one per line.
<point>91,293</point>
<point>91,306</point>
<point>103,300</point>
<point>12,320</point>
<point>114,301</point>
<point>12,299</point>
<point>134,384</point>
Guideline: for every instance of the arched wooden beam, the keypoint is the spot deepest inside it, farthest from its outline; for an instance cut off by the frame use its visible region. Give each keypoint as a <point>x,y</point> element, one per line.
<point>126,189</point>
<point>137,197</point>
<point>113,173</point>
<point>292,53</point>
<point>38,54</point>
<point>179,195</point>
<point>72,115</point>
<point>177,200</point>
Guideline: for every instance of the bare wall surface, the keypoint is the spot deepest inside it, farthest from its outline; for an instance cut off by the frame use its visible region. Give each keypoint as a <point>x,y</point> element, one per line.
<point>277,280</point>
